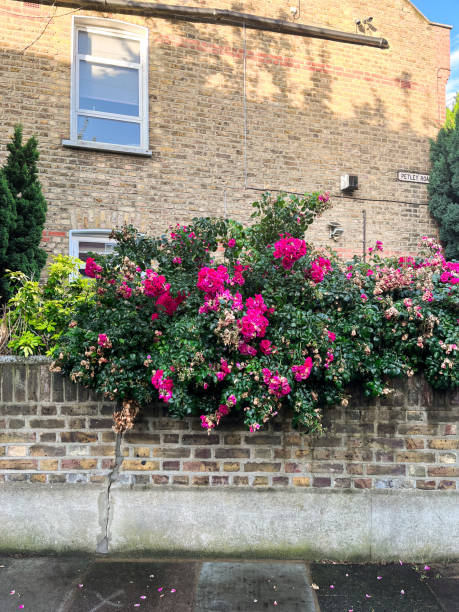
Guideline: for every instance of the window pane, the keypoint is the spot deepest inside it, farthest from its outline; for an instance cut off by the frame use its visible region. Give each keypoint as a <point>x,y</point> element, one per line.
<point>108,130</point>
<point>86,247</point>
<point>109,46</point>
<point>99,248</point>
<point>109,89</point>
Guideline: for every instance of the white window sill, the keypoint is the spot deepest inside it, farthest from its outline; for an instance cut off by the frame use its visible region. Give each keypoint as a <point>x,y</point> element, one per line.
<point>103,146</point>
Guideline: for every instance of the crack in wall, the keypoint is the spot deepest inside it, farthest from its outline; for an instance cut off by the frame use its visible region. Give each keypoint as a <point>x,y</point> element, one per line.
<point>105,503</point>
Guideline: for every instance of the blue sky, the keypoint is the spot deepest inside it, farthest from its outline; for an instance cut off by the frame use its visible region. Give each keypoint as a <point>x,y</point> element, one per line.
<point>446,11</point>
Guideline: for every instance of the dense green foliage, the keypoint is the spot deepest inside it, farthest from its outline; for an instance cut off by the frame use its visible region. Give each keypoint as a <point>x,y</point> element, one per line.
<point>29,211</point>
<point>444,183</point>
<point>268,321</point>
<point>38,314</point>
<point>7,222</point>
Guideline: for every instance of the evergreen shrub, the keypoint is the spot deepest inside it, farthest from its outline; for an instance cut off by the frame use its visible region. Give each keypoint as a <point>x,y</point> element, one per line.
<point>444,183</point>
<point>21,235</point>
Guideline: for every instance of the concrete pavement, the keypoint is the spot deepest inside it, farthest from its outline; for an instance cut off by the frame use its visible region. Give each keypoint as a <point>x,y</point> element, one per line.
<point>106,584</point>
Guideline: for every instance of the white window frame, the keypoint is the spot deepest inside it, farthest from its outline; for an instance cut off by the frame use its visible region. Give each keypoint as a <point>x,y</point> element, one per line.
<point>87,235</point>
<point>118,29</point>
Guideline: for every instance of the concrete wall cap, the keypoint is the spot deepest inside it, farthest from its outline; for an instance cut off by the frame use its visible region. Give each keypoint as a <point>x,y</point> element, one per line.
<point>33,360</point>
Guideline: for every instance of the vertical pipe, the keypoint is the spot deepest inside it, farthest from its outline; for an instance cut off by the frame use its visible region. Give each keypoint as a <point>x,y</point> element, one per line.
<point>245,103</point>
<point>364,232</point>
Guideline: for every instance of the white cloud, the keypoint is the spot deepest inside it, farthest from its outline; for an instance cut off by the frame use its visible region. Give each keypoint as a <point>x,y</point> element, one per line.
<point>452,88</point>
<point>451,91</point>
<point>451,99</point>
<point>455,59</point>
<point>453,83</point>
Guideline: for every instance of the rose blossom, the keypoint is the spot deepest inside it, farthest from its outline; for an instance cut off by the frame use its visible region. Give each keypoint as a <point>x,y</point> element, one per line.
<point>303,371</point>
<point>103,341</point>
<point>289,249</point>
<point>92,269</point>
<point>163,385</point>
<point>212,281</point>
<point>265,347</point>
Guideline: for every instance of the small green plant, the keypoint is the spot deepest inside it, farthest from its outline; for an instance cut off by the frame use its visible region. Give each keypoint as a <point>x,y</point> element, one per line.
<point>27,344</point>
<point>451,115</point>
<point>38,314</point>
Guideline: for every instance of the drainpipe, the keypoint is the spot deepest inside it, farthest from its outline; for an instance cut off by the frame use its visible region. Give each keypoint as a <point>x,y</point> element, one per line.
<point>364,234</point>
<point>220,17</point>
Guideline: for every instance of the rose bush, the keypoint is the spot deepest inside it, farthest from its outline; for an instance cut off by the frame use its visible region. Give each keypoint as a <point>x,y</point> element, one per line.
<point>266,320</point>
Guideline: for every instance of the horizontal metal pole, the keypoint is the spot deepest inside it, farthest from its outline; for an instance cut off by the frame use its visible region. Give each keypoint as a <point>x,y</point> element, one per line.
<point>220,17</point>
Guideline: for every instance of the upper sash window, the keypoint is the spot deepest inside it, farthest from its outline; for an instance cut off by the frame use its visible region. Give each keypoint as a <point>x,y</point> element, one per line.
<point>109,106</point>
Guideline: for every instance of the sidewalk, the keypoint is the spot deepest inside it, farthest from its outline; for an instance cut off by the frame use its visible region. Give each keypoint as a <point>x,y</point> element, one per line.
<point>101,584</point>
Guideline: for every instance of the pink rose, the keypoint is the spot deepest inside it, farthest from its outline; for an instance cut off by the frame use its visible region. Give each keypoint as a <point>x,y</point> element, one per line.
<point>303,371</point>
<point>265,347</point>
<point>92,269</point>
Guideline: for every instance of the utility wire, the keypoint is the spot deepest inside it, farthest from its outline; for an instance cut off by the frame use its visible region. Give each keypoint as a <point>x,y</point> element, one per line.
<point>332,195</point>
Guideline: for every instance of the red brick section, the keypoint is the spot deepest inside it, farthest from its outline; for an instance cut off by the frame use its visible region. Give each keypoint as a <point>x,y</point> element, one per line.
<point>51,233</point>
<point>52,431</point>
<point>29,10</point>
<point>269,59</point>
<point>52,238</point>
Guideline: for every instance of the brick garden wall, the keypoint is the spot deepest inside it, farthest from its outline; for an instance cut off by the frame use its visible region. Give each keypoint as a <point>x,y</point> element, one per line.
<point>314,110</point>
<point>52,431</point>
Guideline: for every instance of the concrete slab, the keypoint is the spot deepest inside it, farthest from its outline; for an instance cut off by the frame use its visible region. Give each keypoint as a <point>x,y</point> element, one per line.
<point>443,580</point>
<point>269,524</point>
<point>40,584</point>
<point>51,518</point>
<point>241,587</point>
<point>148,586</point>
<point>414,525</point>
<point>88,584</point>
<point>399,588</point>
<point>291,524</point>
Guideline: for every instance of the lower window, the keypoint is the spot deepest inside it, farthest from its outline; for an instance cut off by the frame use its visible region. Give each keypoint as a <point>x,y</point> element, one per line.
<point>84,242</point>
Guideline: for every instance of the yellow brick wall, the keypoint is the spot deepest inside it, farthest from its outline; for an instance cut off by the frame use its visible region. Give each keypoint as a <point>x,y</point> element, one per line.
<point>53,431</point>
<point>315,110</point>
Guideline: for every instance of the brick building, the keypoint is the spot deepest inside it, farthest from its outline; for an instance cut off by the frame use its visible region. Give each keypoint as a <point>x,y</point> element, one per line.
<point>153,115</point>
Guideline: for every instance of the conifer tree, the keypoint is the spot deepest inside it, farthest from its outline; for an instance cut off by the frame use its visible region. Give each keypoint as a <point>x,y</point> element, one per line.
<point>21,173</point>
<point>7,221</point>
<point>444,183</point>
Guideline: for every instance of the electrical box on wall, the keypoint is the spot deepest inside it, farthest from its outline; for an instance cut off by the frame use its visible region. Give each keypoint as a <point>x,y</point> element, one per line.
<point>349,182</point>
